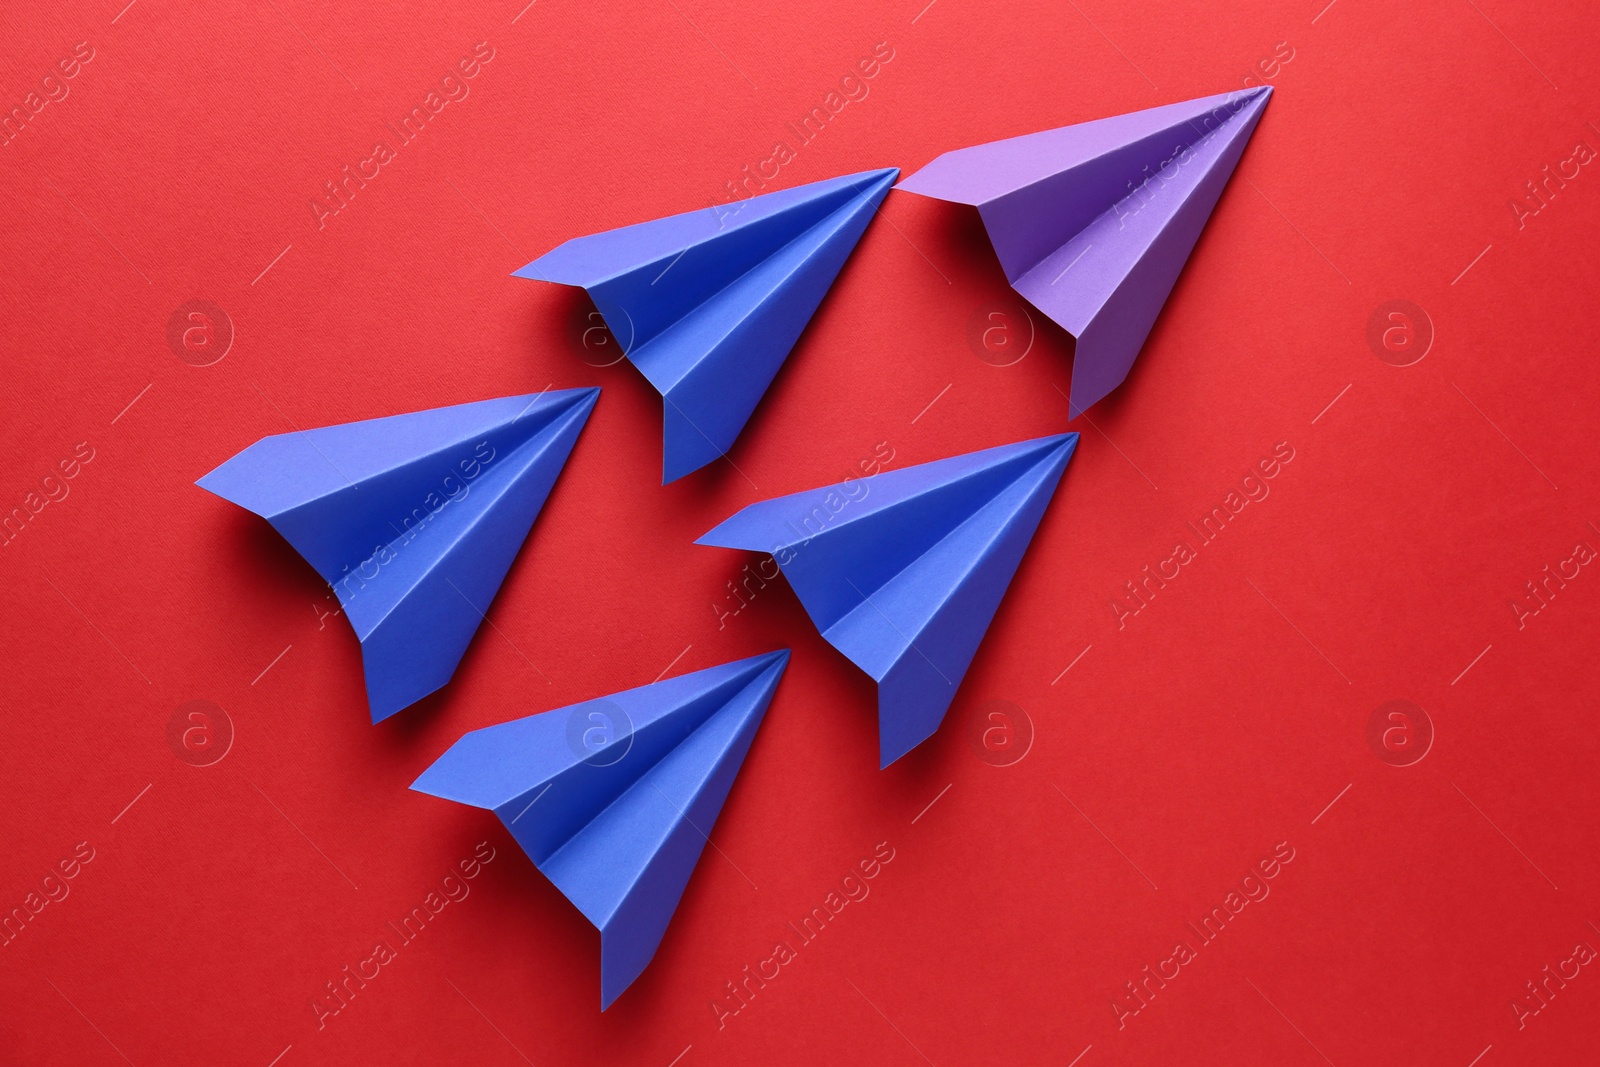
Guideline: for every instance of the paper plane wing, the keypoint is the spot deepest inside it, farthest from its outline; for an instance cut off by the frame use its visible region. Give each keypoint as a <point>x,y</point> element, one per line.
<point>708,304</point>
<point>614,799</point>
<point>903,571</point>
<point>412,519</point>
<point>1093,223</point>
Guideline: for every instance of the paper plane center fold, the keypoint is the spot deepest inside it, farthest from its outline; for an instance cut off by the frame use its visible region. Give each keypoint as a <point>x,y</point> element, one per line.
<point>413,520</point>
<point>1093,223</point>
<point>614,799</point>
<point>902,572</point>
<point>708,304</point>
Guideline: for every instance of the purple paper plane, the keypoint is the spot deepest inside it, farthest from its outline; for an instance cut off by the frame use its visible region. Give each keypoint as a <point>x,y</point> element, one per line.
<point>1093,222</point>
<point>708,304</point>
<point>614,799</point>
<point>903,571</point>
<point>412,519</point>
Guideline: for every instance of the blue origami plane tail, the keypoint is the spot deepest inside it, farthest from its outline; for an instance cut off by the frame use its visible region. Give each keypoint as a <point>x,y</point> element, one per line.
<point>708,304</point>
<point>413,520</point>
<point>614,799</point>
<point>903,571</point>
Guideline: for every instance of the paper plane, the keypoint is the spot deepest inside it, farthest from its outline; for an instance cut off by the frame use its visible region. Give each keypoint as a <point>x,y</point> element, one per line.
<point>903,571</point>
<point>708,304</point>
<point>614,799</point>
<point>1092,223</point>
<point>412,519</point>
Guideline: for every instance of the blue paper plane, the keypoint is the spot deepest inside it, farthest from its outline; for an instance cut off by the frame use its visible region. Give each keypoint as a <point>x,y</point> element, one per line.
<point>708,304</point>
<point>412,519</point>
<point>614,799</point>
<point>1094,222</point>
<point>903,571</point>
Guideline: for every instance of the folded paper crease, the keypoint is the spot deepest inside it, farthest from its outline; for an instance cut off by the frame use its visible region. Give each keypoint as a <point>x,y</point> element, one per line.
<point>1093,223</point>
<point>614,799</point>
<point>413,520</point>
<point>709,303</point>
<point>902,572</point>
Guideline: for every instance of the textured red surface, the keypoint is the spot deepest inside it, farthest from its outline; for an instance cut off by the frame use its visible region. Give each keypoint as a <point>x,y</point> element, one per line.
<point>1226,719</point>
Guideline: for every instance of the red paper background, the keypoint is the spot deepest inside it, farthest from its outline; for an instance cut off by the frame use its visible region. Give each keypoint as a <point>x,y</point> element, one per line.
<point>1180,748</point>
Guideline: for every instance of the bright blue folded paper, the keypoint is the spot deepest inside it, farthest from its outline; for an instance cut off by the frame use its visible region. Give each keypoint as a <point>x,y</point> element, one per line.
<point>614,799</point>
<point>412,519</point>
<point>708,304</point>
<point>903,571</point>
